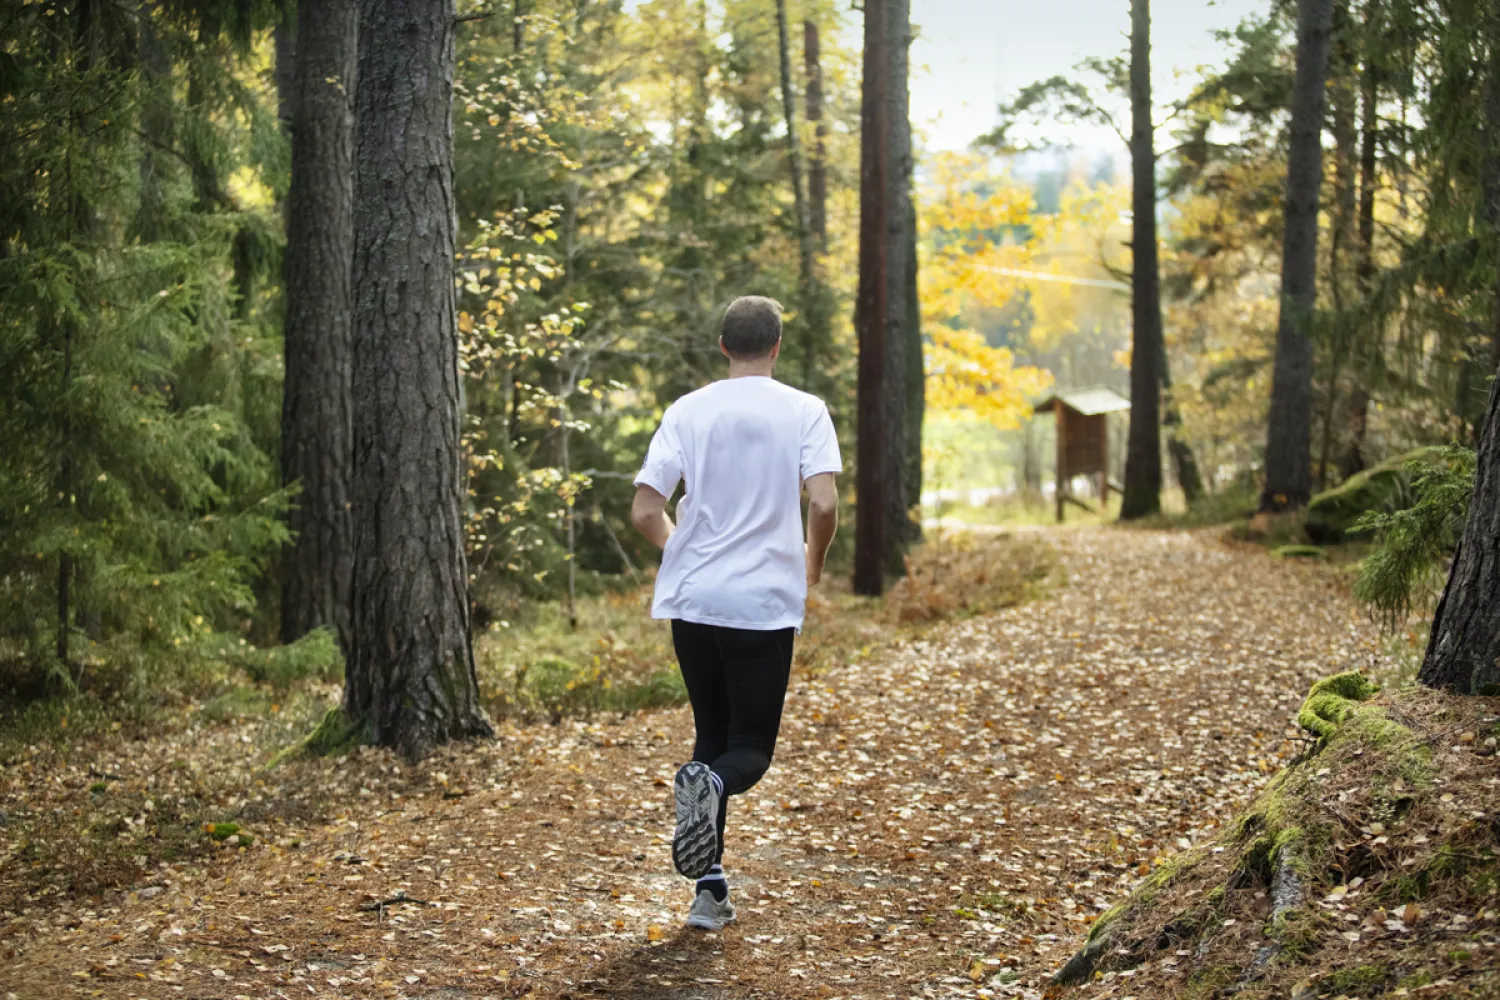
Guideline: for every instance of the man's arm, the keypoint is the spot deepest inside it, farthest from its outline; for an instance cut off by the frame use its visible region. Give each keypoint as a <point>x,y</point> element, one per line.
<point>822,522</point>
<point>649,515</point>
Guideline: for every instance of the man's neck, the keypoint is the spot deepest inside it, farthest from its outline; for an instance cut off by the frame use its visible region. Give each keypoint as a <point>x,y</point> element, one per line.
<point>745,369</point>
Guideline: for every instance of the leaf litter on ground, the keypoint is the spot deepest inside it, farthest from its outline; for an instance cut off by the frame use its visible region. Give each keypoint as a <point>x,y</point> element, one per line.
<point>946,814</point>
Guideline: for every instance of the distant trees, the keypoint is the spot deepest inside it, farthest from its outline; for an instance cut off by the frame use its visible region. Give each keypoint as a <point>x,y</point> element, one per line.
<point>1289,432</point>
<point>1142,495</point>
<point>885,306</point>
<point>410,680</point>
<point>316,423</point>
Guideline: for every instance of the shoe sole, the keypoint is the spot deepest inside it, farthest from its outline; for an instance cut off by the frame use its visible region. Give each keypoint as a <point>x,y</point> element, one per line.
<point>708,924</point>
<point>696,839</point>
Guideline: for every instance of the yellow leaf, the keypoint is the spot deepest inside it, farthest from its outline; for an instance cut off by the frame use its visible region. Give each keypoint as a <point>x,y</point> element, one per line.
<point>654,933</point>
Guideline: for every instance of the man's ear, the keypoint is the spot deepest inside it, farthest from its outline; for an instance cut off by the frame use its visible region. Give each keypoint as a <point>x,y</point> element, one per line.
<point>724,350</point>
<point>775,348</point>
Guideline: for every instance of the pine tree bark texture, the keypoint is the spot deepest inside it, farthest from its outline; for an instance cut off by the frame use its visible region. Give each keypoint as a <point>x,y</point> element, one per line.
<point>1463,653</point>
<point>1289,432</point>
<point>1142,495</point>
<point>316,416</point>
<point>881,311</point>
<point>410,681</point>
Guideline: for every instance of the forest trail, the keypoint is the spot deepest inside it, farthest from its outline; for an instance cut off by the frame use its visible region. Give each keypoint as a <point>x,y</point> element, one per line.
<point>944,817</point>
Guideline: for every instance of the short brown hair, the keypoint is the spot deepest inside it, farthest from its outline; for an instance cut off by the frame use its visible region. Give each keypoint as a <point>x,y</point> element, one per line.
<point>751,327</point>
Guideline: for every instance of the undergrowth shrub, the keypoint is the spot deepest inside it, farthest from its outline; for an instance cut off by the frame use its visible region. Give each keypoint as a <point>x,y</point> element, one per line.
<point>1408,563</point>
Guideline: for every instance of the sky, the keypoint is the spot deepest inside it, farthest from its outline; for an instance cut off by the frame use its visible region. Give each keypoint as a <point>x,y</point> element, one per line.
<point>971,54</point>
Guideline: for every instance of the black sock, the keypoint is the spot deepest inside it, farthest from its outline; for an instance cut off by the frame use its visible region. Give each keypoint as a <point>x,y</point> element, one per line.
<point>715,883</point>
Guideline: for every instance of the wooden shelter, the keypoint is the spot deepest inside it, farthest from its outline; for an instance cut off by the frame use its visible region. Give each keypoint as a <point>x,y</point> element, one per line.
<point>1082,438</point>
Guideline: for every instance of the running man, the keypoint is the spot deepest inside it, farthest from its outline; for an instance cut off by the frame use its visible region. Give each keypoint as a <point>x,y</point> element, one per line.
<point>735,571</point>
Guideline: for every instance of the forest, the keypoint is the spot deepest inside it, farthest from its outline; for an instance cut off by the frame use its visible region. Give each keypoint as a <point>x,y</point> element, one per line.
<point>1158,654</point>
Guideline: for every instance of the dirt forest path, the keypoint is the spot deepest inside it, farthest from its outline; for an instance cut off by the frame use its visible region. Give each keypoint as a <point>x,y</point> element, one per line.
<point>943,819</point>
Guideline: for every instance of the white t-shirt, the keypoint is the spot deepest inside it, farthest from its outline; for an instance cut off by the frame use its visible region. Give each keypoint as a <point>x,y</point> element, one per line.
<point>742,446</point>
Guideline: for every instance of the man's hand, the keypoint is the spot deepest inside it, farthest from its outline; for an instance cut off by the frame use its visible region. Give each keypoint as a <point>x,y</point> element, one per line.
<point>814,568</point>
<point>649,515</point>
<point>822,522</point>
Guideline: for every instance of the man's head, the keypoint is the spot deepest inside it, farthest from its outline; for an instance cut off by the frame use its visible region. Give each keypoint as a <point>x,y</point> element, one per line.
<point>751,330</point>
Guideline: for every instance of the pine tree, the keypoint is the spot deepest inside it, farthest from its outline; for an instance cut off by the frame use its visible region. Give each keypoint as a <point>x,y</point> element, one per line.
<point>136,505</point>
<point>410,680</point>
<point>881,310</point>
<point>1289,434</point>
<point>1143,452</point>
<point>316,429</point>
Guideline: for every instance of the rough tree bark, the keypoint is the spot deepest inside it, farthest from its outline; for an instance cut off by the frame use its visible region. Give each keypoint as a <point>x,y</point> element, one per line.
<point>1289,430</point>
<point>817,163</point>
<point>880,313</point>
<point>410,680</point>
<point>1463,653</point>
<point>316,417</point>
<point>1142,495</point>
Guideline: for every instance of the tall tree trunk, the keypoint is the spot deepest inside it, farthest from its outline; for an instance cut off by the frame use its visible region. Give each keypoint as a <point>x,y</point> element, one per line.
<point>817,331</point>
<point>284,45</point>
<point>1289,431</point>
<point>916,369</point>
<point>807,290</point>
<point>1463,654</point>
<point>410,680</point>
<point>1369,353</point>
<point>1142,494</point>
<point>156,129</point>
<point>1490,189</point>
<point>1342,233</point>
<point>817,166</point>
<point>880,308</point>
<point>317,448</point>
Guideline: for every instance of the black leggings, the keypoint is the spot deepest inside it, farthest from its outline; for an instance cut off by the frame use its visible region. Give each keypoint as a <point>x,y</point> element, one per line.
<point>736,680</point>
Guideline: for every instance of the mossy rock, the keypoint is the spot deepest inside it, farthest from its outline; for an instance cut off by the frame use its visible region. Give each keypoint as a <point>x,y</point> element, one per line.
<point>1385,487</point>
<point>1333,700</point>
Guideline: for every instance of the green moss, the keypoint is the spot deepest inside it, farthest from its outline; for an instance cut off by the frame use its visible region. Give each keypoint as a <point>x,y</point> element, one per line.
<point>1206,982</point>
<point>1333,700</point>
<point>223,831</point>
<point>1369,729</point>
<point>1415,980</point>
<point>1299,930</point>
<point>1358,979</point>
<point>336,735</point>
<point>1147,892</point>
<point>1298,552</point>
